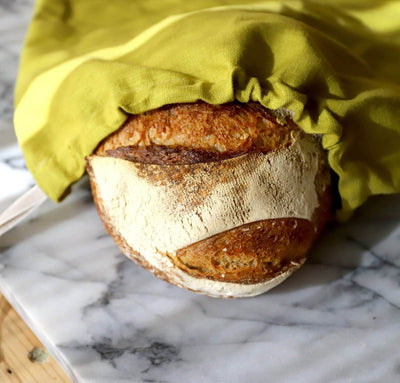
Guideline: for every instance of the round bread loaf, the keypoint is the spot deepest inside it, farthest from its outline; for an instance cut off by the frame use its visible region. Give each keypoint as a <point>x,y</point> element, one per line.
<point>223,200</point>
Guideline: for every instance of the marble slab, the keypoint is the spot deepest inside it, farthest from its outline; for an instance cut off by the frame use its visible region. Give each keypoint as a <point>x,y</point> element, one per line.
<point>108,321</point>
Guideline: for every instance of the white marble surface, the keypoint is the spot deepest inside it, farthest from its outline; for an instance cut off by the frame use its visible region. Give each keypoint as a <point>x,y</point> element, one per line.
<point>107,320</point>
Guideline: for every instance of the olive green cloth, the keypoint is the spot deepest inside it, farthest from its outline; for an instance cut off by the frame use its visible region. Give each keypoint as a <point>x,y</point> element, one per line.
<point>334,64</point>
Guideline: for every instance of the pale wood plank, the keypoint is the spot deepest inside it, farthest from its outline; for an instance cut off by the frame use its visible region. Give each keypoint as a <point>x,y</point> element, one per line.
<point>16,341</point>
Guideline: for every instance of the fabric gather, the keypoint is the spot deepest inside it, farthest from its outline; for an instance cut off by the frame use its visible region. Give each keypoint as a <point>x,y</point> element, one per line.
<point>333,65</point>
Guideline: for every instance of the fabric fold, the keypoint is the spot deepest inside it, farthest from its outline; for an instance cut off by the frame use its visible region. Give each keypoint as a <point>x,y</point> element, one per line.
<point>315,60</point>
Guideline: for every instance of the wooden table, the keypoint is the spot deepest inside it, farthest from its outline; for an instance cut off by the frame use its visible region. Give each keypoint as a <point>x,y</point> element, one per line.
<point>16,342</point>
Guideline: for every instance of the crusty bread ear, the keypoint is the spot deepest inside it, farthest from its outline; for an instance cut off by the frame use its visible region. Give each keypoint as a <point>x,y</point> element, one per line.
<point>235,227</point>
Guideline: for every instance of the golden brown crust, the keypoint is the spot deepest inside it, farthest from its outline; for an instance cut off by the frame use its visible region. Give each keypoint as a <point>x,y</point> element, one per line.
<point>214,128</point>
<point>191,133</point>
<point>250,253</point>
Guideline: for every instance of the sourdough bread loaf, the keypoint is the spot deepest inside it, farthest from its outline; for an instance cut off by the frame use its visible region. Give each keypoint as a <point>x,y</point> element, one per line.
<point>223,200</point>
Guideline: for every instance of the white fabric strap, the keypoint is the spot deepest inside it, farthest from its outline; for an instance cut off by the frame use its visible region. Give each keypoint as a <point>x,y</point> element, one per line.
<point>21,208</point>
